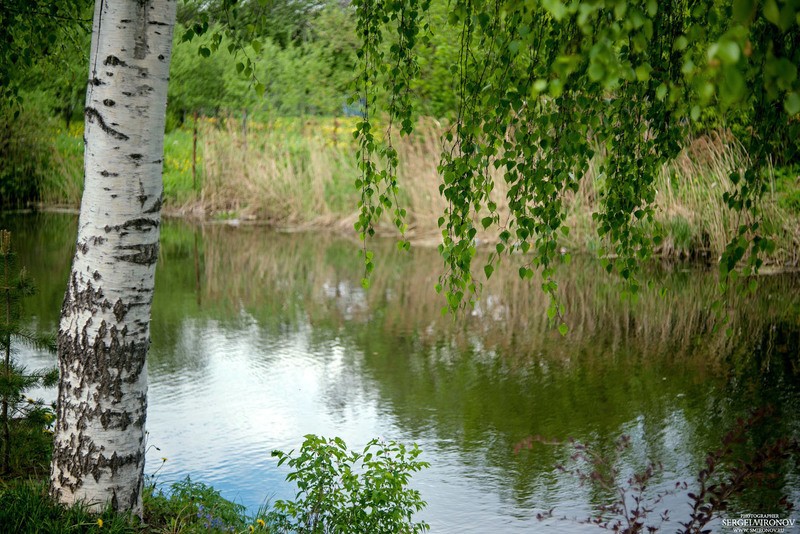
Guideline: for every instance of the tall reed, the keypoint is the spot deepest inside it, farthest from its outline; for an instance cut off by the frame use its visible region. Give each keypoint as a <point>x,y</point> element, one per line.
<point>303,176</point>
<point>297,173</point>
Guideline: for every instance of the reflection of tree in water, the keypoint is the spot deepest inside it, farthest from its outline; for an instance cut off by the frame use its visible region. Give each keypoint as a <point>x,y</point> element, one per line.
<point>657,356</point>
<point>316,276</point>
<point>476,385</point>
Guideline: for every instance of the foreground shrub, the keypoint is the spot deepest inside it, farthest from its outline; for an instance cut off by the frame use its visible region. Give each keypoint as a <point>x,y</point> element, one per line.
<point>345,491</point>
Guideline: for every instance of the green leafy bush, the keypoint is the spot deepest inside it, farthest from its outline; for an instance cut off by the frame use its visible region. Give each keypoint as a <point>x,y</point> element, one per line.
<point>345,491</point>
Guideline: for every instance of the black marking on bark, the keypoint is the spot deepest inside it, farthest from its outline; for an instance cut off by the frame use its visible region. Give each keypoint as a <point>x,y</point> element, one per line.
<point>127,93</point>
<point>126,21</point>
<point>88,298</point>
<point>135,157</point>
<point>82,247</point>
<point>115,61</point>
<point>141,197</point>
<point>141,224</point>
<point>93,115</point>
<point>157,23</point>
<point>109,74</point>
<point>120,310</point>
<point>140,32</point>
<point>96,82</point>
<point>140,254</point>
<point>108,102</point>
<point>114,196</point>
<point>161,57</point>
<point>158,161</point>
<point>156,207</point>
<point>96,240</point>
<point>97,276</point>
<point>143,90</point>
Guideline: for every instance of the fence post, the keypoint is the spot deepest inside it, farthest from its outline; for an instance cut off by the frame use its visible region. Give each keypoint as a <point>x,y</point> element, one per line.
<point>194,153</point>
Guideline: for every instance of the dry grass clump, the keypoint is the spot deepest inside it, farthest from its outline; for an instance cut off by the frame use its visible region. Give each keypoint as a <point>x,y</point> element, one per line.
<point>300,173</point>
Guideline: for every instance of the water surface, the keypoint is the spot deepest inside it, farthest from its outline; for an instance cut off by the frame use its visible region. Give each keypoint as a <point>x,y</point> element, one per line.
<point>261,337</point>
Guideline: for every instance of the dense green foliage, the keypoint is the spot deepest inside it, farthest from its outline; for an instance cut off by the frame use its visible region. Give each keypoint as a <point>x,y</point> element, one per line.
<point>25,423</point>
<point>31,30</point>
<point>339,490</point>
<point>299,63</point>
<point>545,87</point>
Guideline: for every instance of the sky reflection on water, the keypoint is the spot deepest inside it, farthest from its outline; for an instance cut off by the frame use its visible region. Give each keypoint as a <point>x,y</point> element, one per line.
<point>260,338</point>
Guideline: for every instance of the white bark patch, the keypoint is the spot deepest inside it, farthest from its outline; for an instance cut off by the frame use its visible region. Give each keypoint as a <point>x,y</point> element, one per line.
<point>104,332</point>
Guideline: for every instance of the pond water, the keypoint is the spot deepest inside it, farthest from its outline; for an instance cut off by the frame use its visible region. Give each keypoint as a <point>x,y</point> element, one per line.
<point>261,337</point>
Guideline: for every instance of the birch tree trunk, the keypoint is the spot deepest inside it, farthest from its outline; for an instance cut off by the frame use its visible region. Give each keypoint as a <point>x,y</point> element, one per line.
<point>104,333</point>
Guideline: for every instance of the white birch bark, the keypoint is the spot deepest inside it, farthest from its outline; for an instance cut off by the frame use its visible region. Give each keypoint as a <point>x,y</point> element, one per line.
<point>104,331</point>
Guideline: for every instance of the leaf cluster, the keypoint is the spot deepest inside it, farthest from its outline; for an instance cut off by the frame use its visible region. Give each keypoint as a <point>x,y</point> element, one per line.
<point>339,490</point>
<point>545,87</point>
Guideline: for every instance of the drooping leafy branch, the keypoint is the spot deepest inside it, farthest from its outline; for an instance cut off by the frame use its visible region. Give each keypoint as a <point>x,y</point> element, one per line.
<point>387,73</point>
<point>546,86</point>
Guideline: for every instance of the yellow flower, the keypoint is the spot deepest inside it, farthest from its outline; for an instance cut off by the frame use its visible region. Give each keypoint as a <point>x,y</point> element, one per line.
<point>163,458</point>
<point>252,529</point>
<point>261,523</point>
<point>100,523</point>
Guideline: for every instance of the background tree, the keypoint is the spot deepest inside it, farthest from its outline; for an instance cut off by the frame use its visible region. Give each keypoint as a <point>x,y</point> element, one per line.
<point>104,333</point>
<point>29,30</point>
<point>32,33</point>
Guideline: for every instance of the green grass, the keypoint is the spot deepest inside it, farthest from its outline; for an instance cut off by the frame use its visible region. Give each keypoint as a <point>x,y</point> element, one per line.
<point>180,185</point>
<point>187,507</point>
<point>25,508</point>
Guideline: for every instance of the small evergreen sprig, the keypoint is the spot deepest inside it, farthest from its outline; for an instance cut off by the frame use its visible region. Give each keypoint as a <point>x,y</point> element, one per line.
<point>22,419</point>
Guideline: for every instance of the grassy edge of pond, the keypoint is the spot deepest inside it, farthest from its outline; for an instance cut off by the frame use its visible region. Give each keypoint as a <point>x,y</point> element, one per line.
<point>299,173</point>
<point>188,506</point>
